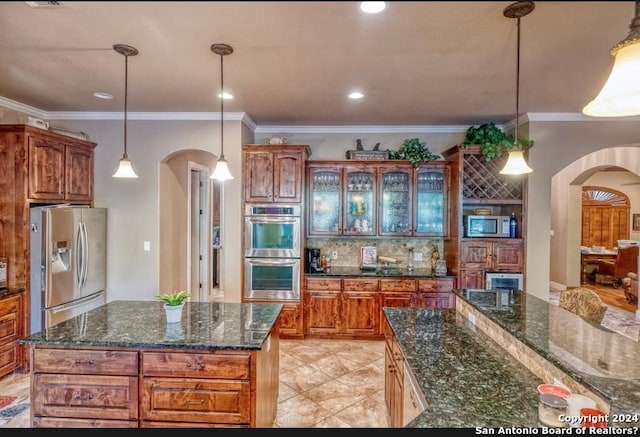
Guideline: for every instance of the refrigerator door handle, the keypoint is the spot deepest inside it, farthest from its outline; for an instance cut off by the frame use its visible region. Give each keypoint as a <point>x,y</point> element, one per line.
<point>78,256</point>
<point>85,254</point>
<point>76,303</point>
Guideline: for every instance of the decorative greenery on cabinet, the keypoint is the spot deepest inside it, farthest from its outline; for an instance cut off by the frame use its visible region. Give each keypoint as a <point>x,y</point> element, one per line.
<point>492,140</point>
<point>414,151</point>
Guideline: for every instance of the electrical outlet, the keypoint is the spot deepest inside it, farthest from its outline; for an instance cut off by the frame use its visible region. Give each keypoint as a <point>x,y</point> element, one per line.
<point>146,245</point>
<point>417,256</point>
<point>334,255</point>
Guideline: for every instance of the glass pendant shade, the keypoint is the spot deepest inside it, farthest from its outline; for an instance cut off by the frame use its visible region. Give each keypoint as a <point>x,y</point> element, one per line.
<point>125,169</point>
<point>620,96</point>
<point>516,164</point>
<point>221,172</point>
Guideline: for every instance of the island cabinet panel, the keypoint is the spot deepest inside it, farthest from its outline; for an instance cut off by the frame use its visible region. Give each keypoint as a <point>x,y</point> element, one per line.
<point>436,293</point>
<point>393,376</point>
<point>193,365</point>
<point>98,362</point>
<point>196,400</point>
<point>85,396</point>
<point>10,332</point>
<point>63,422</point>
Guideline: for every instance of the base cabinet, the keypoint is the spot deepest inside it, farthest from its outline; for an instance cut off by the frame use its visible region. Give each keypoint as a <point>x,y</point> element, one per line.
<point>479,256</point>
<point>154,388</point>
<point>10,331</point>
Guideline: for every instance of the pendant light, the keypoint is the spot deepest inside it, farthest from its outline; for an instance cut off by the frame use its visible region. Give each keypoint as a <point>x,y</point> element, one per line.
<point>125,169</point>
<point>620,96</point>
<point>221,172</point>
<point>516,163</point>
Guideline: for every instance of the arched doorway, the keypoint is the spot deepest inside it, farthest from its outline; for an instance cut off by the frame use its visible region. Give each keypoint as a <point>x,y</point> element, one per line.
<point>566,208</point>
<point>187,200</point>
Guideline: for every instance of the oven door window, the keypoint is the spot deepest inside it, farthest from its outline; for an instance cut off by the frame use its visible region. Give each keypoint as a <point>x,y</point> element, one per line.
<point>272,237</point>
<point>272,278</point>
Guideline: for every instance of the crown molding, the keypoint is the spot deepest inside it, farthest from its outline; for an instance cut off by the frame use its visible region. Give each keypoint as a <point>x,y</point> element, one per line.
<point>359,129</point>
<point>21,107</point>
<point>573,116</point>
<point>154,116</point>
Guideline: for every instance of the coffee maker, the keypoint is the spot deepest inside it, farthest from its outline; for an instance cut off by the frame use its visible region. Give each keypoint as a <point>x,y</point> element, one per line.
<point>312,261</point>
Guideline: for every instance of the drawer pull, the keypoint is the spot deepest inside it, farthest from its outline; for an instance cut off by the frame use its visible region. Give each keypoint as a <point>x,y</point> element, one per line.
<point>86,362</point>
<point>200,402</point>
<point>82,398</point>
<point>197,366</point>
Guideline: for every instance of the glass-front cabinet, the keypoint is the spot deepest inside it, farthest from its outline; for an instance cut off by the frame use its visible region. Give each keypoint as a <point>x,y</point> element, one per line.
<point>431,201</point>
<point>325,200</point>
<point>359,210</point>
<point>395,200</point>
<point>381,199</point>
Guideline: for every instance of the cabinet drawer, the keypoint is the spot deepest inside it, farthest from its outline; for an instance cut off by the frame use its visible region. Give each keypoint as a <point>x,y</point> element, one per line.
<point>83,396</point>
<point>8,327</point>
<point>435,285</point>
<point>9,305</point>
<point>398,285</point>
<point>360,285</point>
<point>85,362</point>
<point>61,422</point>
<point>188,365</point>
<point>8,357</point>
<point>196,400</point>
<point>324,284</point>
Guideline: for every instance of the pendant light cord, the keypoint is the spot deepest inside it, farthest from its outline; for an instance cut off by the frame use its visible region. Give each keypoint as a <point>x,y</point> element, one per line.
<point>221,107</point>
<point>126,92</point>
<point>515,140</point>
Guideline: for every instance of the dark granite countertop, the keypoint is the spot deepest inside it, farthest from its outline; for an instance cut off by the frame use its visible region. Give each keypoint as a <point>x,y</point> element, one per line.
<point>467,378</point>
<point>606,362</point>
<point>10,291</point>
<point>380,272</point>
<point>142,324</point>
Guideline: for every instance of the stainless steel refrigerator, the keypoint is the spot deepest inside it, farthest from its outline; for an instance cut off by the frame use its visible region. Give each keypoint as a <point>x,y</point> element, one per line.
<point>68,262</point>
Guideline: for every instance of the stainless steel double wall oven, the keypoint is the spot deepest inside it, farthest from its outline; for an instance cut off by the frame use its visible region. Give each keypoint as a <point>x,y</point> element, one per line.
<point>272,251</point>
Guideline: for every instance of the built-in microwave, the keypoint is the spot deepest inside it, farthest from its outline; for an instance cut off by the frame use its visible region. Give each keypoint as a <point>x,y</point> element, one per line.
<point>487,226</point>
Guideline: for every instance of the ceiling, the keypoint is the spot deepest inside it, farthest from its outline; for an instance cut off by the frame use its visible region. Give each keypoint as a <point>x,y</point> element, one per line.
<point>418,63</point>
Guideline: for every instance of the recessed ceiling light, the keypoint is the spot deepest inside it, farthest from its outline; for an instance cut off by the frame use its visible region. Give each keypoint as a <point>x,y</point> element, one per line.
<point>225,96</point>
<point>356,95</point>
<point>102,95</point>
<point>372,7</point>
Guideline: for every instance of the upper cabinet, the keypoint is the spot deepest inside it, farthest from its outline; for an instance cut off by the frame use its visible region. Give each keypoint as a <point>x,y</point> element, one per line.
<point>59,168</point>
<point>274,174</point>
<point>385,199</point>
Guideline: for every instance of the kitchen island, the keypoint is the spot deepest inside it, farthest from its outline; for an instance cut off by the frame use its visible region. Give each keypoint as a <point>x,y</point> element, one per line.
<point>479,365</point>
<point>123,365</point>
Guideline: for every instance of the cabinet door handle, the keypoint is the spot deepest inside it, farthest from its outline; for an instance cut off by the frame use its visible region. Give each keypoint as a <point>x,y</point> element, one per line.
<point>83,398</point>
<point>86,362</point>
<point>197,366</point>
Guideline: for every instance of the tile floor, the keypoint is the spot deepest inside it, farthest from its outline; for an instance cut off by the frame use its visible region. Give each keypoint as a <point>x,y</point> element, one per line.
<point>323,384</point>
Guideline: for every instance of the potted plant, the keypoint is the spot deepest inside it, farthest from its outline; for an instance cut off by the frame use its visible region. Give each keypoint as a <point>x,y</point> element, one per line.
<point>493,142</point>
<point>173,304</point>
<point>414,151</point>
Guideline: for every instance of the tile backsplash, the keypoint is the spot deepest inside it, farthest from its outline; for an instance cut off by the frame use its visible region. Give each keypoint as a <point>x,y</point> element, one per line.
<point>349,249</point>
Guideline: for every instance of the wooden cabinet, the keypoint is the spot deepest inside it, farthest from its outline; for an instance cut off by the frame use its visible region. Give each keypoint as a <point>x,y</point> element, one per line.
<point>153,388</point>
<point>86,386</point>
<point>322,299</point>
<point>477,184</point>
<point>393,377</point>
<point>479,256</point>
<point>59,169</point>
<point>342,308</point>
<point>290,323</point>
<point>605,216</point>
<point>274,174</point>
<point>436,293</point>
<point>355,198</point>
<point>11,312</point>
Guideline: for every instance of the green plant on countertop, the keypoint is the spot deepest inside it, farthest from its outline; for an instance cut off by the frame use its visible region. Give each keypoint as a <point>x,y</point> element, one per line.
<point>414,151</point>
<point>174,299</point>
<point>492,140</point>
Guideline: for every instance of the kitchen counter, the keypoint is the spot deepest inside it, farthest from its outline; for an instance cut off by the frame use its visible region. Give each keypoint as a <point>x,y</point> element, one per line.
<point>123,365</point>
<point>469,380</point>
<point>601,360</point>
<point>380,272</point>
<point>10,291</point>
<point>142,324</point>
